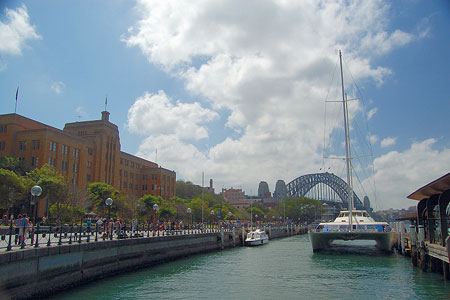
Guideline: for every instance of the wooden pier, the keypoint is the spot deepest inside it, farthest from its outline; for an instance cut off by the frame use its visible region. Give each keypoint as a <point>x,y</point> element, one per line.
<point>428,239</point>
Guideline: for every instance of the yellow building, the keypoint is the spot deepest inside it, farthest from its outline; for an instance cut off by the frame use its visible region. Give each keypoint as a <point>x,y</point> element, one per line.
<point>84,152</point>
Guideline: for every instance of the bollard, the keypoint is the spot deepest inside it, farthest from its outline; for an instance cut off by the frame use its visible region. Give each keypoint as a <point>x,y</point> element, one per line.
<point>10,236</point>
<point>49,242</point>
<point>60,236</point>
<point>70,234</point>
<point>79,238</point>
<point>96,232</point>
<point>36,245</point>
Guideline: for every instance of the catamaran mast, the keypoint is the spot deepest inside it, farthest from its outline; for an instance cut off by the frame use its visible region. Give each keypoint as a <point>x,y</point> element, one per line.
<point>347,150</point>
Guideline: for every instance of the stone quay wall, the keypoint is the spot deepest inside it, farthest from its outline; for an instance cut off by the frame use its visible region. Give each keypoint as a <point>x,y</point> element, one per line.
<point>37,272</point>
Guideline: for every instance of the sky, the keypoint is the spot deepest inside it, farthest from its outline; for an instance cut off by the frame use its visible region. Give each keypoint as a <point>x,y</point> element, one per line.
<point>237,89</point>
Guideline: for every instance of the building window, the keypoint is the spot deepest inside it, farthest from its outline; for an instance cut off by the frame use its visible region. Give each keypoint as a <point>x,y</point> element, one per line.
<point>89,164</point>
<point>22,145</point>
<point>131,175</point>
<point>126,162</point>
<point>136,187</point>
<point>120,173</point>
<point>35,144</point>
<point>125,174</point>
<point>52,162</point>
<point>3,128</point>
<point>65,150</point>
<point>132,164</point>
<point>76,153</point>
<point>53,146</point>
<point>2,145</point>
<point>74,168</point>
<point>121,161</point>
<point>131,186</point>
<point>154,177</point>
<point>34,161</point>
<point>88,177</point>
<point>90,151</point>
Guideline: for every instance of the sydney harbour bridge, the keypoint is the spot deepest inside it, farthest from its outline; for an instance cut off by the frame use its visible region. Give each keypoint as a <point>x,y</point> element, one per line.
<point>327,188</point>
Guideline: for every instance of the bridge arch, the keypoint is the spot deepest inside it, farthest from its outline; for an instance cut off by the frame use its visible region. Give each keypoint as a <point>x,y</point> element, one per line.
<point>301,185</point>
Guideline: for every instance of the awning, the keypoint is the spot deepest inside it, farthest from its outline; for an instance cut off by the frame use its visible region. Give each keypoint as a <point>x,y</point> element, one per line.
<point>435,187</point>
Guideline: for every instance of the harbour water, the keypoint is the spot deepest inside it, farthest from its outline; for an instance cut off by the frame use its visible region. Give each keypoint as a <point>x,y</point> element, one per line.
<point>283,269</point>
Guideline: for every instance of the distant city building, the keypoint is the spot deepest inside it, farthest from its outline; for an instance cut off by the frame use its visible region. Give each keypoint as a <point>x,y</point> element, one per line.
<point>84,152</point>
<point>233,195</point>
<point>280,189</point>
<point>263,190</point>
<point>209,189</point>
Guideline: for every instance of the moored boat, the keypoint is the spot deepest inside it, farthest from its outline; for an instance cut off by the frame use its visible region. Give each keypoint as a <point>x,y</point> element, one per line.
<point>362,227</point>
<point>351,224</point>
<point>256,238</point>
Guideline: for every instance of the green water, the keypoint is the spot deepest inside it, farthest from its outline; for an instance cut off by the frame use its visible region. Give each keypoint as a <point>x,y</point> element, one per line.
<point>283,269</point>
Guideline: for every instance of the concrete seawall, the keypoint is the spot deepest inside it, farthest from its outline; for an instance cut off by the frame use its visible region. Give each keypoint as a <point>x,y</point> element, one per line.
<point>37,272</point>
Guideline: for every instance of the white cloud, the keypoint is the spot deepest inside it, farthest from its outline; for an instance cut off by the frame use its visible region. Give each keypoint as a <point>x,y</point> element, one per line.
<point>371,113</point>
<point>57,87</point>
<point>155,114</point>
<point>398,174</point>
<point>267,65</point>
<point>390,141</point>
<point>373,139</point>
<point>16,31</point>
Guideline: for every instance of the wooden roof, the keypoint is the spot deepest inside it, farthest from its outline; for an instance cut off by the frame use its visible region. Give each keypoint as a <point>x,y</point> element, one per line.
<point>435,187</point>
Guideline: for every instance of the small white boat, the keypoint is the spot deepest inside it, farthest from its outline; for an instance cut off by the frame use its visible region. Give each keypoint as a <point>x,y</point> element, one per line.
<point>362,227</point>
<point>256,238</point>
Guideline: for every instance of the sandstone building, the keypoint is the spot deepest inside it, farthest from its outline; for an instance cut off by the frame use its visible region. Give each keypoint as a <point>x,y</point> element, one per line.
<point>84,152</point>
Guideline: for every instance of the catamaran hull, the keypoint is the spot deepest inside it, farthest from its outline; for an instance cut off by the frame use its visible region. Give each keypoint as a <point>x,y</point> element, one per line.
<point>322,240</point>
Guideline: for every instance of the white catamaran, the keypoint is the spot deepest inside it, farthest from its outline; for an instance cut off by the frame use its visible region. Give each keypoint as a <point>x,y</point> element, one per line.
<point>351,224</point>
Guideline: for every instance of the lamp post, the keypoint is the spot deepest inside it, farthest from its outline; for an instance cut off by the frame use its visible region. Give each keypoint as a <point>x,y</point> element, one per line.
<point>36,191</point>
<point>189,211</point>
<point>229,215</point>
<point>156,209</point>
<point>108,203</point>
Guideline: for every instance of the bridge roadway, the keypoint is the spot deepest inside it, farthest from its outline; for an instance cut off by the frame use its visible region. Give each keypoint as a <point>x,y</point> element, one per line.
<point>63,261</point>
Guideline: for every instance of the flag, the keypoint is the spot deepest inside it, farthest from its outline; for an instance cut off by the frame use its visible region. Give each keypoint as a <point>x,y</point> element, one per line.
<point>17,95</point>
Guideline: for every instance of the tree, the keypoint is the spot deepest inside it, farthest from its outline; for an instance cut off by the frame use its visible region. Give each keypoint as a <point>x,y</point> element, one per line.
<point>13,164</point>
<point>97,193</point>
<point>12,187</point>
<point>66,213</point>
<point>187,190</point>
<point>53,185</point>
<point>144,207</point>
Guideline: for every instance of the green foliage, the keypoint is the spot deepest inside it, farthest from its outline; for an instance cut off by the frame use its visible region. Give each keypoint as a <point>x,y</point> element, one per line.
<point>53,184</point>
<point>144,207</point>
<point>97,193</point>
<point>187,190</point>
<point>302,208</point>
<point>10,180</point>
<point>13,164</point>
<point>66,213</point>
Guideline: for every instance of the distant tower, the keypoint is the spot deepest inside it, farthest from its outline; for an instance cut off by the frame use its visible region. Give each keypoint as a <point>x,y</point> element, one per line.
<point>263,190</point>
<point>211,183</point>
<point>280,189</point>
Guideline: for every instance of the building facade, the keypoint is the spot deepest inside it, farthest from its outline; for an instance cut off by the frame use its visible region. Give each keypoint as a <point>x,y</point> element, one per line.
<point>84,152</point>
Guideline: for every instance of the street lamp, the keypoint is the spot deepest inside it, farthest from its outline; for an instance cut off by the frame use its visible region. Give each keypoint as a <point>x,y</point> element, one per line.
<point>156,208</point>
<point>189,211</point>
<point>108,203</point>
<point>212,215</point>
<point>36,191</point>
<point>229,215</point>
